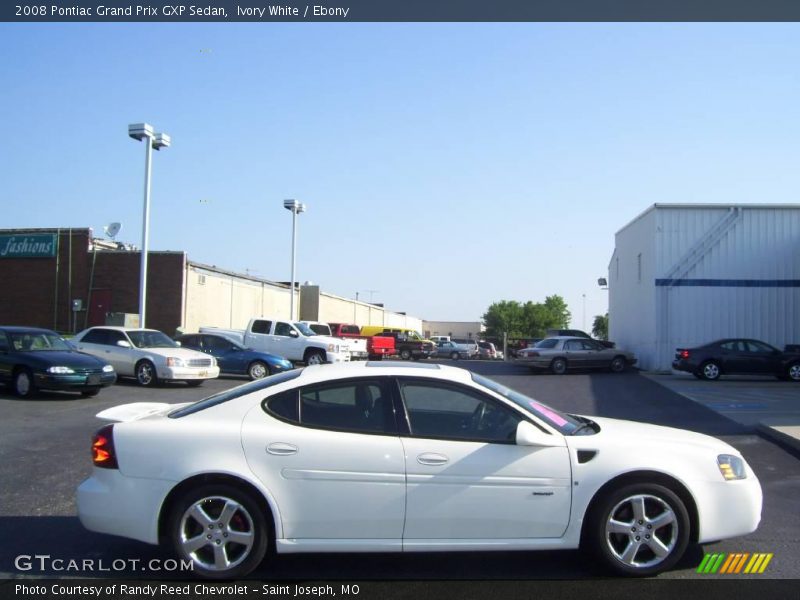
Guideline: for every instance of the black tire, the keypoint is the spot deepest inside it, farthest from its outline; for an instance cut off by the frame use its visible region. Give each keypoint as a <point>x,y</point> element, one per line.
<point>195,382</point>
<point>454,356</point>
<point>618,364</point>
<point>559,366</point>
<point>710,370</point>
<point>24,384</point>
<point>793,372</point>
<point>244,519</point>
<point>90,393</point>
<point>145,373</point>
<point>258,370</point>
<point>315,357</point>
<point>616,545</point>
<point>405,354</point>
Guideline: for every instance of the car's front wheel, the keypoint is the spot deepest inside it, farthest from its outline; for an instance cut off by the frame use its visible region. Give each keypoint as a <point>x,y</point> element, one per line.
<point>405,354</point>
<point>315,357</point>
<point>710,371</point>
<point>618,364</point>
<point>640,529</point>
<point>257,370</point>
<point>221,529</point>
<point>793,372</point>
<point>24,386</point>
<point>454,356</point>
<point>146,373</point>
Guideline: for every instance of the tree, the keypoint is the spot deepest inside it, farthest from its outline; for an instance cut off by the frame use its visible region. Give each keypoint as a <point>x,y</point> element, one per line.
<point>531,319</point>
<point>600,327</point>
<point>504,316</point>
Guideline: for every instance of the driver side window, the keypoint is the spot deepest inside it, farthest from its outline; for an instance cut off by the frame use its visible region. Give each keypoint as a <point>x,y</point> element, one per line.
<point>443,411</point>
<point>283,329</point>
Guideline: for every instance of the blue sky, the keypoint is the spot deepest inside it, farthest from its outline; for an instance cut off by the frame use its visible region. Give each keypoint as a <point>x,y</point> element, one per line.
<point>446,166</point>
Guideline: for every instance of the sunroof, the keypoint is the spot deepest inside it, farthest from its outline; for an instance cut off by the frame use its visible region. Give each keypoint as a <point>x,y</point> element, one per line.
<point>403,365</point>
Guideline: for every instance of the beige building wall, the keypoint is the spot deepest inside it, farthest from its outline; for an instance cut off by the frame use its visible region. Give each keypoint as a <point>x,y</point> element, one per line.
<point>217,298</point>
<point>455,329</point>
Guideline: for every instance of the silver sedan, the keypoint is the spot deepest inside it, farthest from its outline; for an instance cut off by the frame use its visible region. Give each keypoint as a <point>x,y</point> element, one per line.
<point>562,353</point>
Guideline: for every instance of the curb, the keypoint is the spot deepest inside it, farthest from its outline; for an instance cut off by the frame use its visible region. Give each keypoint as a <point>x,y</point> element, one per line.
<point>774,432</point>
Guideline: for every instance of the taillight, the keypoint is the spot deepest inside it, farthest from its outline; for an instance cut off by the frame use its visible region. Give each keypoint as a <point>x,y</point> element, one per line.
<point>103,454</point>
<point>683,353</point>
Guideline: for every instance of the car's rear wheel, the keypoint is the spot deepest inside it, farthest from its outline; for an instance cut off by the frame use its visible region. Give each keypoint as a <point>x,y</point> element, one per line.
<point>90,393</point>
<point>24,386</point>
<point>405,354</point>
<point>257,370</point>
<point>146,373</point>
<point>221,529</point>
<point>710,370</point>
<point>454,356</point>
<point>793,372</point>
<point>618,364</point>
<point>640,529</point>
<point>558,366</point>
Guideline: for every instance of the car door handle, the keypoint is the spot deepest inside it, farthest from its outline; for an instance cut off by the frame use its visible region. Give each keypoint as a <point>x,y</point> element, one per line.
<point>282,449</point>
<point>432,459</point>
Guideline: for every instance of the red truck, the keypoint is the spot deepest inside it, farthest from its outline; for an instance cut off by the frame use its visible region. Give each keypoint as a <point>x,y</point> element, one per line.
<point>377,347</point>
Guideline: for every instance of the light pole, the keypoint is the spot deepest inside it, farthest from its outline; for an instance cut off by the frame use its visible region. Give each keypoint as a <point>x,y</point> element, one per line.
<point>296,208</point>
<point>584,312</point>
<point>141,131</point>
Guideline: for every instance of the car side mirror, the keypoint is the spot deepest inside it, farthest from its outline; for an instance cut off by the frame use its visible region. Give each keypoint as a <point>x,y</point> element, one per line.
<point>123,344</point>
<point>293,333</point>
<point>530,435</point>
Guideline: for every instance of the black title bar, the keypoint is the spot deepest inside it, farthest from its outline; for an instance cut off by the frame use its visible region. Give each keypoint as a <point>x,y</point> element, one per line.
<point>401,11</point>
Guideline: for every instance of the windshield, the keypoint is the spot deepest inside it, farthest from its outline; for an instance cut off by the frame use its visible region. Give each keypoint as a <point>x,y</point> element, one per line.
<point>305,329</point>
<point>151,339</point>
<point>563,422</point>
<point>413,335</point>
<point>34,341</point>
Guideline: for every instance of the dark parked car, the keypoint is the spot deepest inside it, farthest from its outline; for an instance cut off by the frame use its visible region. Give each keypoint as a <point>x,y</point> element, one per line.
<point>233,358</point>
<point>737,357</point>
<point>32,359</point>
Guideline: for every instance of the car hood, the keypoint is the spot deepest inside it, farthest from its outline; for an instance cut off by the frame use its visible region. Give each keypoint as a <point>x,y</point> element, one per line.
<point>325,339</point>
<point>628,432</point>
<point>186,353</point>
<point>63,358</point>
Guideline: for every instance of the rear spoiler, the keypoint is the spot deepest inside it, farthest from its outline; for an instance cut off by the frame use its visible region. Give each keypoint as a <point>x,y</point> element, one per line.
<point>136,410</point>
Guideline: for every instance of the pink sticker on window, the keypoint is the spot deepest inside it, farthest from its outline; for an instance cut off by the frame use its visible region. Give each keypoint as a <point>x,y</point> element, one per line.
<point>547,412</point>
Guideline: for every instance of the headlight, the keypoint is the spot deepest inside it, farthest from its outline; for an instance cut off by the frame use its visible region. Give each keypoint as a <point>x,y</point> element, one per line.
<point>60,370</point>
<point>108,369</point>
<point>333,348</point>
<point>175,362</point>
<point>731,467</point>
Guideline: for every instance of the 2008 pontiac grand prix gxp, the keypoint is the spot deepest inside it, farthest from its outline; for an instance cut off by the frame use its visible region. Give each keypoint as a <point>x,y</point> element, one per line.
<point>381,457</point>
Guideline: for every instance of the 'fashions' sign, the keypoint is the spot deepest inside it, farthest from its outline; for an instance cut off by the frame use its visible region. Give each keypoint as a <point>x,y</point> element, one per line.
<point>38,245</point>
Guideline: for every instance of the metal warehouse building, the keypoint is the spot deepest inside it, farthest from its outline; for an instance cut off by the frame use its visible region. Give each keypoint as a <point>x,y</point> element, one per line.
<point>683,275</point>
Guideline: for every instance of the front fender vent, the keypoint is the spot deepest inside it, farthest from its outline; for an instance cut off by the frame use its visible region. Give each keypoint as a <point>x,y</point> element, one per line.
<point>585,456</point>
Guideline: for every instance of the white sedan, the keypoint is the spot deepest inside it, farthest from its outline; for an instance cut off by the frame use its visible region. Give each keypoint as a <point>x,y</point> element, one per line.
<point>146,354</point>
<point>386,457</point>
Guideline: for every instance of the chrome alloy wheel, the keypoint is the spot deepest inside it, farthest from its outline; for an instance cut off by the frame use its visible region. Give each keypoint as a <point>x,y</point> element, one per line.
<point>316,359</point>
<point>711,371</point>
<point>145,373</point>
<point>22,384</point>
<point>258,370</point>
<point>217,533</point>
<point>642,531</point>
<point>794,372</point>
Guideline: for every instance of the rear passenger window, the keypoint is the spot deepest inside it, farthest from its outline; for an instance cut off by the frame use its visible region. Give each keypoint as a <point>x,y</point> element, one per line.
<point>358,406</point>
<point>261,326</point>
<point>96,336</point>
<point>284,406</point>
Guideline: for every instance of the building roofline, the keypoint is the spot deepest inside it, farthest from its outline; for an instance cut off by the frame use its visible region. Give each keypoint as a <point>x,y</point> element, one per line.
<point>229,273</point>
<point>705,205</point>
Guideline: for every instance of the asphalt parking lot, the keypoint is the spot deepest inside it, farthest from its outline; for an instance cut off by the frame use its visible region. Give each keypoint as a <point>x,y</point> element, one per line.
<point>45,448</point>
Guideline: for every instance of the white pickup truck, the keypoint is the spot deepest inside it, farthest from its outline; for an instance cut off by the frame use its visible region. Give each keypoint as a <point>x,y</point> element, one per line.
<point>358,346</point>
<point>292,340</point>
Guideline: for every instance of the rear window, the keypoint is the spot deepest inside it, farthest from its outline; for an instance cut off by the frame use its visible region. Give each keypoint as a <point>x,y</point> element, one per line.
<point>547,343</point>
<point>237,392</point>
<point>351,329</point>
